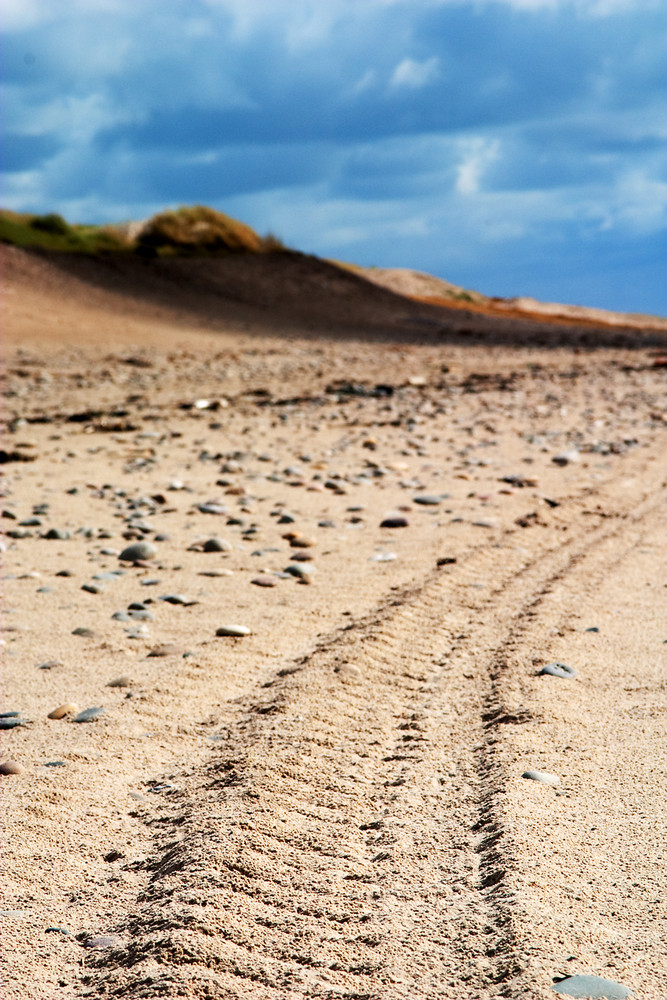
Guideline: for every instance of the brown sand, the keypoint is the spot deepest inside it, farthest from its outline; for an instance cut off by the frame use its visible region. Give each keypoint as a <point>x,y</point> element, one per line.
<point>331,806</point>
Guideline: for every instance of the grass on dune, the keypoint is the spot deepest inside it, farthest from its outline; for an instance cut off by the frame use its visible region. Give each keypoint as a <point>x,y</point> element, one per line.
<point>186,231</point>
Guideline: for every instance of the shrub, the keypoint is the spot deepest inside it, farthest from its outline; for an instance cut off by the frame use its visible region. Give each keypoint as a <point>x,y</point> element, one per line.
<point>51,223</point>
<point>198,229</point>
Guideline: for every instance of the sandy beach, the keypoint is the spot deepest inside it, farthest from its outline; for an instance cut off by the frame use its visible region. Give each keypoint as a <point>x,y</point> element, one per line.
<point>366,525</point>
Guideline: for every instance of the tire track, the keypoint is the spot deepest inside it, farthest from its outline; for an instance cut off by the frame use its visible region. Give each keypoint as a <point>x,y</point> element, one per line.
<point>351,839</point>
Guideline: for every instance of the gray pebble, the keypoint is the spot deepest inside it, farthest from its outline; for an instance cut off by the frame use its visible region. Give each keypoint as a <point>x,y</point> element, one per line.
<point>302,572</point>
<point>216,545</point>
<point>10,722</point>
<point>395,522</point>
<point>558,670</point>
<point>233,630</point>
<point>93,588</point>
<point>120,682</point>
<point>542,776</point>
<point>138,551</point>
<point>57,534</point>
<point>178,599</point>
<point>591,987</point>
<point>89,714</point>
<point>88,633</point>
<point>427,501</point>
<point>211,508</point>
<point>566,457</point>
<point>103,941</point>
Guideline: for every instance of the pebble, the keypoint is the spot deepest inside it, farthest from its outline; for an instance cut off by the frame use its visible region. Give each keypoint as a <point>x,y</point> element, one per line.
<point>543,776</point>
<point>215,572</point>
<point>178,599</point>
<point>264,581</point>
<point>62,711</point>
<point>10,722</point>
<point>216,545</point>
<point>120,682</point>
<point>234,630</point>
<point>395,522</point>
<point>89,714</point>
<point>92,588</point>
<point>57,534</point>
<point>138,551</point>
<point>211,508</point>
<point>166,649</point>
<point>558,670</point>
<point>427,501</point>
<point>591,987</point>
<point>88,633</point>
<point>302,572</point>
<point>50,665</point>
<point>302,543</point>
<point>566,457</point>
<point>383,557</point>
<point>8,767</point>
<point>103,941</point>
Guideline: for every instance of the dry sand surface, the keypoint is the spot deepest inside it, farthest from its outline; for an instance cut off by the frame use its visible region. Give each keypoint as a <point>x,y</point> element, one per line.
<point>331,805</point>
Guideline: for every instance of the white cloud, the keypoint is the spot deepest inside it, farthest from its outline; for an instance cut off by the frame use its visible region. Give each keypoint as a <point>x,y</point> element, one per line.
<point>415,75</point>
<point>477,153</point>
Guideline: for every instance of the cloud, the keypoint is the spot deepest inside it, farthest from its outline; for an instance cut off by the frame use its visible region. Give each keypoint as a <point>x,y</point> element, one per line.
<point>415,75</point>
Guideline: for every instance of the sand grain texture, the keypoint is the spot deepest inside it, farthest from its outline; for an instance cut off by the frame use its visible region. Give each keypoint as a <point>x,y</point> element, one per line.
<point>331,805</point>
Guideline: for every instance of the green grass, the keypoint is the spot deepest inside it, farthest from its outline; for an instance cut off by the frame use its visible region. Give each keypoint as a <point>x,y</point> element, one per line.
<point>187,231</point>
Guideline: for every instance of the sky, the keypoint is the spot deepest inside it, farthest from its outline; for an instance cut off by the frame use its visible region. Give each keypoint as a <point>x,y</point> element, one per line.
<point>516,147</point>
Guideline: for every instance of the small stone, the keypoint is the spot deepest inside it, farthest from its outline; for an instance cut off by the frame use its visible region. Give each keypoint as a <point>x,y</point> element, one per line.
<point>302,543</point>
<point>178,599</point>
<point>427,501</point>
<point>211,508</point>
<point>10,722</point>
<point>566,457</point>
<point>103,941</point>
<point>558,670</point>
<point>216,545</point>
<point>383,557</point>
<point>59,713</point>
<point>50,665</point>
<point>233,630</point>
<point>302,556</point>
<point>395,522</point>
<point>137,552</point>
<point>446,561</point>
<point>303,573</point>
<point>215,573</point>
<point>89,714</point>
<point>542,776</point>
<point>57,534</point>
<point>113,856</point>
<point>57,930</point>
<point>120,682</point>
<point>92,588</point>
<point>264,581</point>
<point>8,767</point>
<point>87,633</point>
<point>592,988</point>
<point>166,649</point>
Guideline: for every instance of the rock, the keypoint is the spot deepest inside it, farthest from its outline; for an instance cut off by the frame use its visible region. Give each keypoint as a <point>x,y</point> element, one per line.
<point>166,649</point>
<point>10,722</point>
<point>233,630</point>
<point>57,534</point>
<point>591,987</point>
<point>558,670</point>
<point>427,501</point>
<point>103,941</point>
<point>543,776</point>
<point>216,545</point>
<point>303,573</point>
<point>8,767</point>
<point>211,508</point>
<point>383,557</point>
<point>89,714</point>
<point>566,457</point>
<point>395,522</point>
<point>446,561</point>
<point>215,572</point>
<point>178,599</point>
<point>87,633</point>
<point>137,552</point>
<point>120,682</point>
<point>92,588</point>
<point>302,543</point>
<point>264,581</point>
<point>62,711</point>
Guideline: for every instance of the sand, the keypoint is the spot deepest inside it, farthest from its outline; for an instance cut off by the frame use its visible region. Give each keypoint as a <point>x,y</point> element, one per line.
<point>332,805</point>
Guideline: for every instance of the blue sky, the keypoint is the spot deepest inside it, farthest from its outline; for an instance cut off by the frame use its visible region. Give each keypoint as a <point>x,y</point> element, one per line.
<point>512,146</point>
